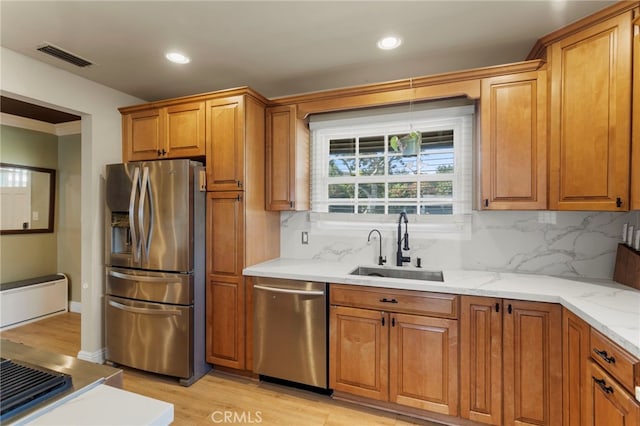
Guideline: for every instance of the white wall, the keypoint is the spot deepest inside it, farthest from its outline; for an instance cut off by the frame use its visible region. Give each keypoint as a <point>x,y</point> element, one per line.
<point>30,80</point>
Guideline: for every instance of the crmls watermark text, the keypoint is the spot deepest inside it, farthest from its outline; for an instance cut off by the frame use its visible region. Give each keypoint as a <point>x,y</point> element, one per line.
<point>244,417</point>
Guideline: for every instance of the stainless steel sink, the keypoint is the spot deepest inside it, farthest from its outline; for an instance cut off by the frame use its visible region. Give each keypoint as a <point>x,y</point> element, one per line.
<point>407,274</point>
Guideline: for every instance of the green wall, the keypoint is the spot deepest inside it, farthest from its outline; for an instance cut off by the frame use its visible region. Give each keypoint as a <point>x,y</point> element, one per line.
<point>31,255</point>
<point>68,212</point>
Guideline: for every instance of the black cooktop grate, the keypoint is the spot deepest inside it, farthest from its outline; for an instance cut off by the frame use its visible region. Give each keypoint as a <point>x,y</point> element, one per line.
<point>22,386</point>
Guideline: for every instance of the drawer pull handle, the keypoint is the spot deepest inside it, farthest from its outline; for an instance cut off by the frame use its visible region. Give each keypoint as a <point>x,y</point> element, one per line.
<point>605,356</point>
<point>603,385</point>
<point>385,300</point>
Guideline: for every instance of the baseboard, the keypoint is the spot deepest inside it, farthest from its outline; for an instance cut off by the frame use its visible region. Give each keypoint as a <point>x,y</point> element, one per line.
<point>96,357</point>
<point>75,307</point>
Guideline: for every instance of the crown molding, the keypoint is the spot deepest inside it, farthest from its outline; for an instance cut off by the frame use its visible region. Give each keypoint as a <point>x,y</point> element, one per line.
<point>62,129</point>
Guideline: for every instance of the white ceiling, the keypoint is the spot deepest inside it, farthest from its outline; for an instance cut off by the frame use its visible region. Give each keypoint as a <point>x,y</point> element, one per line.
<point>278,47</point>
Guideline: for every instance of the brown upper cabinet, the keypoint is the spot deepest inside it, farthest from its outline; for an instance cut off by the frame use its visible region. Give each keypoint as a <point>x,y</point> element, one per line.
<point>173,131</point>
<point>513,144</point>
<point>590,116</point>
<point>287,160</point>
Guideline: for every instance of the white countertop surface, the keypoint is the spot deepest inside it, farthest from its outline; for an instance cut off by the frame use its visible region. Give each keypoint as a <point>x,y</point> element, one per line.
<point>104,405</point>
<point>609,307</point>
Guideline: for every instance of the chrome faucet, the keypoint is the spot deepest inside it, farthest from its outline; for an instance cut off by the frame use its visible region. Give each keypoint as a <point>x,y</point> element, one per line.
<point>381,260</point>
<point>400,259</point>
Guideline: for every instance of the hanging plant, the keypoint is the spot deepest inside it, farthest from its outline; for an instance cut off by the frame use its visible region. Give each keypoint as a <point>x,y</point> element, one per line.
<point>408,144</point>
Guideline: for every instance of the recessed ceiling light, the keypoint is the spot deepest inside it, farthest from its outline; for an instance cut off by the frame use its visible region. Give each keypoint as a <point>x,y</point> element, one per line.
<point>178,58</point>
<point>388,43</point>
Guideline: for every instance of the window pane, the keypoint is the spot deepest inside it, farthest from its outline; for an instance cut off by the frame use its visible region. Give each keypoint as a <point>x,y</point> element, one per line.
<point>340,209</point>
<point>372,145</point>
<point>341,190</point>
<point>342,147</point>
<point>401,165</point>
<point>403,190</point>
<point>396,209</point>
<point>372,166</point>
<point>436,189</point>
<point>371,190</point>
<point>437,209</point>
<point>342,167</point>
<point>436,153</point>
<point>370,209</point>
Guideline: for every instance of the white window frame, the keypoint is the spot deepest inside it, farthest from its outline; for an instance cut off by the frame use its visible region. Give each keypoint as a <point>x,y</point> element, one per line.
<point>460,119</point>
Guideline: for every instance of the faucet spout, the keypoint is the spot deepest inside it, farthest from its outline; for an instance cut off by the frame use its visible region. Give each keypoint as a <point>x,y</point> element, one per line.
<point>400,259</point>
<point>381,260</point>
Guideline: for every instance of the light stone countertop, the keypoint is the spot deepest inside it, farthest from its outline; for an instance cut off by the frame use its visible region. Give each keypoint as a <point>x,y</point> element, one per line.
<point>609,307</point>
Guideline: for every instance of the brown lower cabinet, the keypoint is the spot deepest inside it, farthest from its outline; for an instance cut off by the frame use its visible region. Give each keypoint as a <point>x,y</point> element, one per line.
<point>575,360</point>
<point>225,284</point>
<point>401,358</point>
<point>510,362</point>
<point>609,404</point>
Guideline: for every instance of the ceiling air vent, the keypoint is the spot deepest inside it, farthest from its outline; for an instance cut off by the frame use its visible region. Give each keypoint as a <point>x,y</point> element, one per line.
<point>52,50</point>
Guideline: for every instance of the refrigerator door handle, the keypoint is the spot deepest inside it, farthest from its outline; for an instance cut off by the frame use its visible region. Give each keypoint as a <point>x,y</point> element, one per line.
<point>135,183</point>
<point>145,196</point>
<point>144,311</point>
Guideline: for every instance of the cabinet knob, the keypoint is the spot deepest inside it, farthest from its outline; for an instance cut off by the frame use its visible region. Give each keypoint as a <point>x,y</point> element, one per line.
<point>486,202</point>
<point>618,202</point>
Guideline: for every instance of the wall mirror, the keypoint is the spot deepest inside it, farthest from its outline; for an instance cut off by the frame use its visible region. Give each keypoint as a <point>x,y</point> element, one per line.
<point>27,202</point>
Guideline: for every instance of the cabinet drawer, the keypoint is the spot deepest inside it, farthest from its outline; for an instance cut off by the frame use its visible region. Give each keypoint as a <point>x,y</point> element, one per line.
<point>615,360</point>
<point>392,300</point>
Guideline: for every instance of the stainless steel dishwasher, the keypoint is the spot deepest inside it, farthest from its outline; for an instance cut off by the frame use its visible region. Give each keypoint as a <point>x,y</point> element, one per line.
<point>290,330</point>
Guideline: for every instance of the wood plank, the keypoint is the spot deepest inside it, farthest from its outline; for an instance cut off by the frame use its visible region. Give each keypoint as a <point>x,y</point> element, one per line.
<point>216,393</point>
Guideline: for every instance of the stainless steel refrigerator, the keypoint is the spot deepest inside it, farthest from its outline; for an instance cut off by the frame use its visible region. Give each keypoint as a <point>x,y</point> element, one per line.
<point>155,267</point>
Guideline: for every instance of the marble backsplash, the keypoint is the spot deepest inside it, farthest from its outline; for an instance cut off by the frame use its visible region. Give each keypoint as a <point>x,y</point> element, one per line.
<point>575,244</point>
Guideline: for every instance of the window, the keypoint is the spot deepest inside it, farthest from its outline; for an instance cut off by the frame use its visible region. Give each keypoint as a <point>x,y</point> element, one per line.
<point>355,170</point>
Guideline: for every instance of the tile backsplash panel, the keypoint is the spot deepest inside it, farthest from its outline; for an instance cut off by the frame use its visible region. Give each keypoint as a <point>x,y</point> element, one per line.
<point>577,244</point>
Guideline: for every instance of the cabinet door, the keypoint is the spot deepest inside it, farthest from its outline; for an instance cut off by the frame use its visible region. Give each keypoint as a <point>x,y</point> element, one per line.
<point>532,356</point>
<point>514,138</point>
<point>423,363</point>
<point>225,326</point>
<point>225,144</point>
<point>635,122</point>
<point>225,322</point>
<point>359,352</point>
<point>590,115</point>
<point>225,233</point>
<point>185,130</point>
<point>481,359</point>
<point>575,360</point>
<point>287,160</point>
<point>142,135</point>
<point>610,405</point>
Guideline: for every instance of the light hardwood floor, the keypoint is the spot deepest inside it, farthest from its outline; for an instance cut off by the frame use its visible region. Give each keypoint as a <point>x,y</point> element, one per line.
<point>216,395</point>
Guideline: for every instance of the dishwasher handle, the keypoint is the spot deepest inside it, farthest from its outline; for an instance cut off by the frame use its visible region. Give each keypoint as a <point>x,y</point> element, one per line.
<point>289,291</point>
